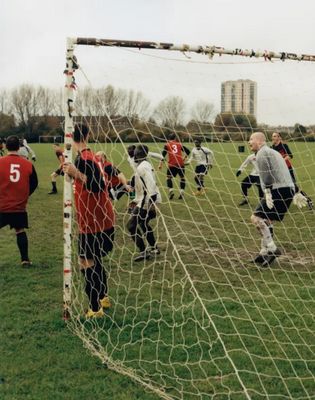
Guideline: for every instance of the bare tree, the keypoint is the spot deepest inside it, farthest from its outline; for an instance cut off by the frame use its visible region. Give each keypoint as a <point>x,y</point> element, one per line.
<point>170,111</point>
<point>202,111</point>
<point>135,105</point>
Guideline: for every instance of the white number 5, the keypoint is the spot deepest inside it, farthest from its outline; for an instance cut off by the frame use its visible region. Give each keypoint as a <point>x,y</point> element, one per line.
<point>15,172</point>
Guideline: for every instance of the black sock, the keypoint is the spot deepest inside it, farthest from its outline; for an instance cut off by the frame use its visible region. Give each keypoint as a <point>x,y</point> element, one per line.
<point>22,242</point>
<point>100,271</point>
<point>54,186</point>
<point>92,287</point>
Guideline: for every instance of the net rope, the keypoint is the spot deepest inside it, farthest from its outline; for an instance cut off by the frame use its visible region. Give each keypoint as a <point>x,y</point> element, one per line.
<point>200,320</point>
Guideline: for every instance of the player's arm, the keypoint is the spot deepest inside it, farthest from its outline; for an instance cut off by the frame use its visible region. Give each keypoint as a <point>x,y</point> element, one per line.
<point>30,151</point>
<point>244,165</point>
<point>164,153</point>
<point>72,171</point>
<point>94,178</point>
<point>149,187</point>
<point>157,156</point>
<point>191,157</point>
<point>33,181</point>
<point>187,152</point>
<point>289,154</point>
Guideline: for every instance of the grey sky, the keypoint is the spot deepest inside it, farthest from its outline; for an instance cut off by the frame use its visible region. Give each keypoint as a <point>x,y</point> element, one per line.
<point>33,35</point>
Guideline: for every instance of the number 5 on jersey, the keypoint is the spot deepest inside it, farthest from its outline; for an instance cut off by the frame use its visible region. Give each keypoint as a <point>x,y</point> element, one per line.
<point>15,173</point>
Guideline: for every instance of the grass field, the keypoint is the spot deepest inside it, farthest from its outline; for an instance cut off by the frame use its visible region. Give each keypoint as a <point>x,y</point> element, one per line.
<point>203,313</point>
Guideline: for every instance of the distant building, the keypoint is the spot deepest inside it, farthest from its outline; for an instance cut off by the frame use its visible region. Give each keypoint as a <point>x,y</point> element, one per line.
<point>239,97</point>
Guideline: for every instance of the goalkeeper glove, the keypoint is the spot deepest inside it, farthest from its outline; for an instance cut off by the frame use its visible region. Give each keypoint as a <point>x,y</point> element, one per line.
<point>268,198</point>
<point>299,200</point>
<point>238,172</point>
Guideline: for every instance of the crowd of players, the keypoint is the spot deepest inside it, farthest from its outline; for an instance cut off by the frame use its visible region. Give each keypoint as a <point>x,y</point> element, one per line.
<point>98,183</point>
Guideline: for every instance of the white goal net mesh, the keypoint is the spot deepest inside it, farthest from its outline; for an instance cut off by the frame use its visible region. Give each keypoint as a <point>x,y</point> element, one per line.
<point>201,320</point>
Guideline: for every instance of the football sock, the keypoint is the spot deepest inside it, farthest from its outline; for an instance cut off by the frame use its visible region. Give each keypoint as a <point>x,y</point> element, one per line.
<point>169,183</point>
<point>182,184</point>
<point>22,242</point>
<point>91,285</point>
<point>100,271</point>
<point>54,186</point>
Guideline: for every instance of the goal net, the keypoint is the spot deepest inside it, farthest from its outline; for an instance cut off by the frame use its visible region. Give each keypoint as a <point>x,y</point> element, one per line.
<point>200,320</point>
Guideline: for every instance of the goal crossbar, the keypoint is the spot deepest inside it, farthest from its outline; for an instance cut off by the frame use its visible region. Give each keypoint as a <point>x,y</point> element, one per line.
<point>209,50</point>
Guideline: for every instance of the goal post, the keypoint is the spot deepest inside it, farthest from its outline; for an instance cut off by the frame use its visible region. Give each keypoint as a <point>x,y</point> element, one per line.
<point>198,320</point>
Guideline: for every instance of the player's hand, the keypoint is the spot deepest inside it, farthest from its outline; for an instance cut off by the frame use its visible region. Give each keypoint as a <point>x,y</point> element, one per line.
<point>299,200</point>
<point>268,198</point>
<point>69,169</point>
<point>238,172</point>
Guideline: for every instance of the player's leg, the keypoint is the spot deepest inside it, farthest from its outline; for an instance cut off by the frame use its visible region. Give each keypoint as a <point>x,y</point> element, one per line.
<point>169,181</point>
<point>89,256</point>
<point>144,222</point>
<point>53,177</point>
<point>105,242</point>
<point>182,183</point>
<point>245,185</point>
<point>268,246</point>
<point>22,243</point>
<point>136,235</point>
<point>19,222</point>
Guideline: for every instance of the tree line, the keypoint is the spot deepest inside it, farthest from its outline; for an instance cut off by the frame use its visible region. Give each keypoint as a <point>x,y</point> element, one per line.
<point>34,111</point>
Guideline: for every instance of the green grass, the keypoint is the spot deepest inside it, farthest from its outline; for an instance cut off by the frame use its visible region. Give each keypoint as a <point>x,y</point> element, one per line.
<point>159,329</point>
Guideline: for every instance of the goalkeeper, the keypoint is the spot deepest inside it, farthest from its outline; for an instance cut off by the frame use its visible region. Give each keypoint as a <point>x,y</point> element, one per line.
<point>278,187</point>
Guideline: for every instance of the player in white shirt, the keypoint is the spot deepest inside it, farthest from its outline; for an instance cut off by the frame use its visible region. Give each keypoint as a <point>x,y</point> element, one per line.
<point>204,158</point>
<point>251,179</point>
<point>25,151</point>
<point>147,196</point>
<point>131,156</point>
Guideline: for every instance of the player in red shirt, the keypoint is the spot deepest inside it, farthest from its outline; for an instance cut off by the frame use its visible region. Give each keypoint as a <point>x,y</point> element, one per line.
<point>18,180</point>
<point>117,181</point>
<point>95,217</point>
<point>59,172</point>
<point>176,164</point>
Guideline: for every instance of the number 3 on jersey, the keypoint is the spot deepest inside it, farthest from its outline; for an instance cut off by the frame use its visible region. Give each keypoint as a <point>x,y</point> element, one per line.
<point>174,149</point>
<point>15,173</point>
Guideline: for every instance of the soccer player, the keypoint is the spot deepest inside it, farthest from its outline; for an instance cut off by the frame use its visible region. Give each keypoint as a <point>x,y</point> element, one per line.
<point>204,160</point>
<point>59,172</point>
<point>278,187</point>
<point>176,164</point>
<point>131,156</point>
<point>147,197</point>
<point>18,180</point>
<point>95,216</point>
<point>251,179</point>
<point>118,184</point>
<point>25,150</point>
<point>283,149</point>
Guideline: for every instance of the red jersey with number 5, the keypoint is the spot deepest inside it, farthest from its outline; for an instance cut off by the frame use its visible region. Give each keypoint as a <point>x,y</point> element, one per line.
<point>15,173</point>
<point>174,150</point>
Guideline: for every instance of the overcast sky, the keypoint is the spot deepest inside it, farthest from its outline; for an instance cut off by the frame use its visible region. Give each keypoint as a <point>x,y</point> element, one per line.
<point>33,37</point>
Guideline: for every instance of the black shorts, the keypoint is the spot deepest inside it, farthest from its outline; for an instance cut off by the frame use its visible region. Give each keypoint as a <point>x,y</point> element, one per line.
<point>282,198</point>
<point>18,220</point>
<point>174,171</point>
<point>59,171</point>
<point>91,245</point>
<point>201,169</point>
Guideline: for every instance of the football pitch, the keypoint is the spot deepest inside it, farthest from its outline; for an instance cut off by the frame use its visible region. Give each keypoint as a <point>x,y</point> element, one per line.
<point>218,304</point>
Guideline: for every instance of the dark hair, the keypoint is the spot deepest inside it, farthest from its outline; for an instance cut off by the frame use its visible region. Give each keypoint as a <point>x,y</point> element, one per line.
<point>131,150</point>
<point>141,152</point>
<point>80,133</point>
<point>172,136</point>
<point>12,143</point>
